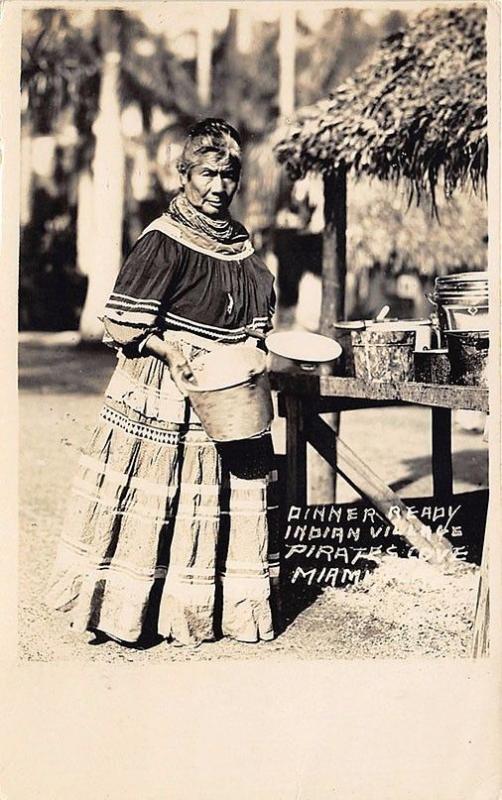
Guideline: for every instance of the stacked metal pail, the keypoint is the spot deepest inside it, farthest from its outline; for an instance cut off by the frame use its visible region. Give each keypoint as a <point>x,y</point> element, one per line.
<point>462,301</point>
<point>462,304</point>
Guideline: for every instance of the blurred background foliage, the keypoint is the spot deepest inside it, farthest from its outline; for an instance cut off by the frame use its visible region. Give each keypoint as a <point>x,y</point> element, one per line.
<point>106,98</point>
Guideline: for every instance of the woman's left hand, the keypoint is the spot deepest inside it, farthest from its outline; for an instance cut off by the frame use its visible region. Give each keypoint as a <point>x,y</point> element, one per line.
<point>171,355</point>
<point>180,373</point>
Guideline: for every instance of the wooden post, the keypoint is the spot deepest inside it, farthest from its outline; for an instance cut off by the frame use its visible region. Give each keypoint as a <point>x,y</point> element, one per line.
<point>442,470</point>
<point>334,249</point>
<point>334,268</point>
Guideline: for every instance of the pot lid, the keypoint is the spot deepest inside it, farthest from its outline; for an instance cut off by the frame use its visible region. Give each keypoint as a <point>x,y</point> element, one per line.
<point>384,324</point>
<point>463,277</point>
<point>306,347</point>
<point>351,325</point>
<point>400,324</point>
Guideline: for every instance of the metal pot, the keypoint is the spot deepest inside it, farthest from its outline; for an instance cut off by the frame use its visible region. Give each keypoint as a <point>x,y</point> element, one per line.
<point>464,315</point>
<point>468,352</point>
<point>383,354</point>
<point>423,328</point>
<point>432,366</point>
<point>462,301</point>
<point>231,393</point>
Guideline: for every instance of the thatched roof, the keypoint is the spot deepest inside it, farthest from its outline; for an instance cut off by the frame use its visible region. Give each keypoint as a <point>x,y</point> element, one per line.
<point>415,110</point>
<point>383,229</point>
<point>382,226</point>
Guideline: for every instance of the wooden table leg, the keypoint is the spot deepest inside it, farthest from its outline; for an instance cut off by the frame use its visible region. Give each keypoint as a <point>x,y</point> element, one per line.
<point>335,420</point>
<point>296,453</point>
<point>322,475</point>
<point>442,470</point>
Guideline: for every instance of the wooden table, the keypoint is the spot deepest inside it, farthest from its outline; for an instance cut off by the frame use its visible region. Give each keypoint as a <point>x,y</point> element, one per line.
<point>304,396</point>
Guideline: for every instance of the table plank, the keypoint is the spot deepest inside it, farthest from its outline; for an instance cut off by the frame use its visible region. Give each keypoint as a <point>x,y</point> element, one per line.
<point>328,386</point>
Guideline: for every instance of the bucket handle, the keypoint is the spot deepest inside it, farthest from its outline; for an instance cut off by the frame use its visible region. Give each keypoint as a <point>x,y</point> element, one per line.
<point>256,334</point>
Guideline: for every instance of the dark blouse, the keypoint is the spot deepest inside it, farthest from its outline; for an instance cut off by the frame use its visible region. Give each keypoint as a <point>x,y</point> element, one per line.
<point>164,285</point>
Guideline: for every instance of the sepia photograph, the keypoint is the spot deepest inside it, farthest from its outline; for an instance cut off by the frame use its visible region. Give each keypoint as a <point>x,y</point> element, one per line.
<point>251,422</point>
<point>255,326</point>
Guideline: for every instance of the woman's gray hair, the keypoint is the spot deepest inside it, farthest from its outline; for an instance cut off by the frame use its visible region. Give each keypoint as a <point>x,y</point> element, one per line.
<point>211,136</point>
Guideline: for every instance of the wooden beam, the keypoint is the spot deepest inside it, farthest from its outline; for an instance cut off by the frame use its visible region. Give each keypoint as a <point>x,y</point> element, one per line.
<point>334,255</point>
<point>432,547</point>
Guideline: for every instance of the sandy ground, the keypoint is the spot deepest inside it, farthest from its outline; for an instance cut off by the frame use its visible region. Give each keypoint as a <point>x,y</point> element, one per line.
<point>404,608</point>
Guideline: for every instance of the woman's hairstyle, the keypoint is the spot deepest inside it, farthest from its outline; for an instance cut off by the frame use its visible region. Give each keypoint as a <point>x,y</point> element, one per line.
<point>210,136</point>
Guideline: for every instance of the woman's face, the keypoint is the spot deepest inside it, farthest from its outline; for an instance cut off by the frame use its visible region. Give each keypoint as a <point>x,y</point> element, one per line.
<point>211,185</point>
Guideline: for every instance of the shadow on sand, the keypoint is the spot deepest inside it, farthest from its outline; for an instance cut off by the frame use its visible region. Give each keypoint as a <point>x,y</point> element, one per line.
<point>469,466</point>
<point>72,369</point>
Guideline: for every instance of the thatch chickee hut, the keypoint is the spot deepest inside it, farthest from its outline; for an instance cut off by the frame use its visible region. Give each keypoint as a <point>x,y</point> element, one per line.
<point>415,112</point>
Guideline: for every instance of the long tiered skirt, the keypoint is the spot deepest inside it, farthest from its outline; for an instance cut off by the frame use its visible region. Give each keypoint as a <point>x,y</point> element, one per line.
<point>166,531</point>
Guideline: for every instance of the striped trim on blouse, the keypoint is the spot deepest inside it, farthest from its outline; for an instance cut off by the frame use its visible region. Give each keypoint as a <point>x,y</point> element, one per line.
<point>135,313</point>
<point>212,331</point>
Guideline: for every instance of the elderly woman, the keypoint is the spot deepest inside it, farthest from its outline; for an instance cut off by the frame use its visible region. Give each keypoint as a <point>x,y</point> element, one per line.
<point>167,531</point>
